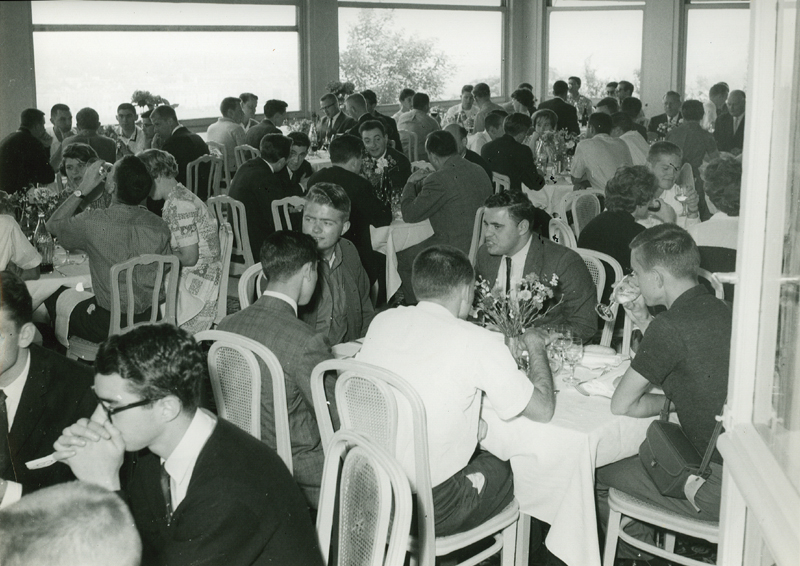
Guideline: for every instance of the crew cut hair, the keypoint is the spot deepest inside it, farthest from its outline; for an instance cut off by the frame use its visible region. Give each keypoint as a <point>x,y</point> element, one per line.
<point>284,253</point>
<point>332,195</point>
<point>663,148</point>
<point>87,119</point>
<point>164,112</point>
<point>601,122</point>
<point>59,107</point>
<point>669,246</point>
<point>132,179</point>
<point>372,125</point>
<point>440,271</point>
<point>31,117</point>
<point>126,106</point>
<point>273,147</point>
<point>516,124</point>
<point>441,144</point>
<point>346,147</point>
<point>229,103</point>
<point>611,103</point>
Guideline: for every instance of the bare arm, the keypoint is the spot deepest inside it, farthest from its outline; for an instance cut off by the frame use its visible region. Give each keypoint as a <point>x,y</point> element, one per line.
<point>631,397</point>
<point>542,404</point>
<point>188,255</point>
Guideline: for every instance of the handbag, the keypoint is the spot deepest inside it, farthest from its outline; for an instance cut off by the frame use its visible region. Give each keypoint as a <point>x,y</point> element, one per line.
<point>672,461</point>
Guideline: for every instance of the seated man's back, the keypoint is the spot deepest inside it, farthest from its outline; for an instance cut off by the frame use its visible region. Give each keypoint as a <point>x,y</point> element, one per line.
<point>598,157</point>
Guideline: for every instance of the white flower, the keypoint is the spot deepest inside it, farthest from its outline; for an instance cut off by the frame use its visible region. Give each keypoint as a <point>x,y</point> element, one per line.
<point>381,164</point>
<point>525,295</point>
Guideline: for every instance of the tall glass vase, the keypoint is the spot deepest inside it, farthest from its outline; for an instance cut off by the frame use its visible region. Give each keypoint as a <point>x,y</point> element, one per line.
<point>518,351</point>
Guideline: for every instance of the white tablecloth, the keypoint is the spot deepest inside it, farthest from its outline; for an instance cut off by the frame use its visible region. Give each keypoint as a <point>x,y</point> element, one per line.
<point>550,195</point>
<point>65,276</point>
<point>554,465</point>
<point>391,239</point>
<point>319,161</point>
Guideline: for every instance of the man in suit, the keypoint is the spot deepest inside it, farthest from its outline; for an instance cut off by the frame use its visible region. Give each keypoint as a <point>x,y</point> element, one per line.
<point>509,156</point>
<point>23,158</point>
<point>718,95</point>
<point>88,122</point>
<point>177,140</point>
<point>448,197</point>
<point>257,183</point>
<point>61,120</point>
<point>460,134</point>
<point>671,116</point>
<point>289,262</point>
<point>566,112</point>
<point>274,117</point>
<point>356,107</point>
<point>366,209</point>
<point>512,250</point>
<point>419,121</point>
<point>376,144</point>
<point>204,491</point>
<point>624,90</point>
<point>334,121</point>
<point>391,125</point>
<point>729,127</point>
<point>41,393</point>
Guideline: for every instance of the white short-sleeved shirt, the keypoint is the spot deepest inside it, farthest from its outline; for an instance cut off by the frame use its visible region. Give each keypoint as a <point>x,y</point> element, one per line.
<point>449,362</point>
<point>598,158</point>
<point>14,246</point>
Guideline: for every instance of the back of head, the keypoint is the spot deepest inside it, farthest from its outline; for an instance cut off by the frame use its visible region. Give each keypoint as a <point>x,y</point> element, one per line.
<point>663,148</point>
<point>156,360</point>
<point>146,114</point>
<point>457,131</point>
<point>369,96</point>
<point>228,104</point>
<point>87,119</point>
<point>344,148</point>
<point>560,88</point>
<point>622,121</point>
<point>524,97</point>
<point>723,183</point>
<point>132,179</point>
<point>439,272</point>
<point>164,112</point>
<point>600,122</point>
<point>518,204</point>
<point>420,101</point>
<point>357,102</point>
<point>441,144</point>
<point>272,107</point>
<point>406,93</point>
<point>284,253</point>
<point>612,84</point>
<point>15,299</point>
<point>545,114</point>
<point>631,106</point>
<point>331,195</point>
<point>516,124</point>
<point>668,246</point>
<point>494,120</point>
<point>481,90</point>
<point>610,103</point>
<point>274,147</point>
<point>31,117</point>
<point>68,524</point>
<point>629,188</point>
<point>299,139</point>
<point>526,86</point>
<point>159,163</point>
<point>719,89</point>
<point>692,110</point>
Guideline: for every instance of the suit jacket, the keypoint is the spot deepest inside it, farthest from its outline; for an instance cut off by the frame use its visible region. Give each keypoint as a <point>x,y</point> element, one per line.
<point>726,139</point>
<point>566,112</point>
<point>449,198</point>
<point>105,147</point>
<point>23,161</point>
<point>391,129</point>
<point>341,124</point>
<point>353,131</point>
<point>656,121</point>
<point>399,174</point>
<point>242,508</point>
<point>185,147</point>
<point>56,394</point>
<point>575,289</point>
<point>272,322</point>
<point>255,185</point>
<point>507,156</point>
<point>473,157</point>
<point>254,134</point>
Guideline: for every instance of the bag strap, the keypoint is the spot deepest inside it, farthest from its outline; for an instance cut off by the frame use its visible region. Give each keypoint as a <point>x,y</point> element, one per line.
<point>712,443</point>
<point>664,414</point>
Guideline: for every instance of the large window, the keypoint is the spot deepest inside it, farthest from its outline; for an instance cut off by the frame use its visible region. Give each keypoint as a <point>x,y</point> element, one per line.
<point>193,54</point>
<point>434,49</point>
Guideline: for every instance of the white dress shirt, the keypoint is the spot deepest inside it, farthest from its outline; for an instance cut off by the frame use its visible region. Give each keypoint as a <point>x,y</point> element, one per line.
<point>598,158</point>
<point>180,464</point>
<point>637,145</point>
<point>282,297</point>
<point>13,393</point>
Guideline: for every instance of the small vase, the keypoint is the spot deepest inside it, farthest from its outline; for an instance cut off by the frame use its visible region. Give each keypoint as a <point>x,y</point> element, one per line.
<point>517,348</point>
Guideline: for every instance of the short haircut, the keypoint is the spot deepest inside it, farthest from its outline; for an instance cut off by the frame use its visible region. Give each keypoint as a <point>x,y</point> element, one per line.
<point>156,360</point>
<point>344,148</point>
<point>723,183</point>
<point>58,107</point>
<point>611,103</point>
<point>545,114</point>
<point>524,97</point>
<point>159,163</point>
<point>126,106</point>
<point>247,97</point>
<point>164,112</point>
<point>284,253</point>
<point>601,122</point>
<point>738,93</point>
<point>494,120</point>
<point>481,90</point>
<point>516,124</point>
<point>526,86</point>
<point>622,121</point>
<point>66,524</point>
<point>663,148</point>
<point>669,246</point>
<point>719,89</point>
<point>370,96</point>
<point>15,299</point>
<point>630,187</point>
<point>329,97</point>
<point>440,271</point>
<point>518,204</point>
<point>455,126</point>
<point>625,85</point>
<point>441,144</point>
<point>467,88</point>
<point>576,79</point>
<point>407,93</point>
<point>631,106</point>
<point>132,179</point>
<point>612,84</point>
<point>299,139</point>
<point>83,152</point>
<point>560,88</point>
<point>420,100</point>
<point>272,107</point>
<point>31,117</point>
<point>357,101</point>
<point>273,147</point>
<point>87,119</point>
<point>672,94</point>
<point>372,125</point>
<point>332,195</point>
<point>146,114</point>
<point>692,110</point>
<point>229,103</point>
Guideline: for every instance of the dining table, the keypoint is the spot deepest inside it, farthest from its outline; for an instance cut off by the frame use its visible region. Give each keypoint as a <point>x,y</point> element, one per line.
<point>319,160</point>
<point>69,270</point>
<point>393,238</point>
<point>550,196</point>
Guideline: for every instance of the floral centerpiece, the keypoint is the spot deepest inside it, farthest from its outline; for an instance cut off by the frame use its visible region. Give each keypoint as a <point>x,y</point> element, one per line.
<point>664,128</point>
<point>299,125</point>
<point>35,200</point>
<point>341,89</point>
<point>143,98</point>
<point>374,170</point>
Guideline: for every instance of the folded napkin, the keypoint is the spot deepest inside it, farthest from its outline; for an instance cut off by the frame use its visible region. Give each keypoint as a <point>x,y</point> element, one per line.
<point>605,384</point>
<point>596,360</point>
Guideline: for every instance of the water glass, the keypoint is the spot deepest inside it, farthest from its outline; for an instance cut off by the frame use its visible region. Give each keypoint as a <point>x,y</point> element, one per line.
<point>573,354</point>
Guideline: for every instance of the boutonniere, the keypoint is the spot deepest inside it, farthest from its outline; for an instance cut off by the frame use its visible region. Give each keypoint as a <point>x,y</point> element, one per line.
<point>380,164</point>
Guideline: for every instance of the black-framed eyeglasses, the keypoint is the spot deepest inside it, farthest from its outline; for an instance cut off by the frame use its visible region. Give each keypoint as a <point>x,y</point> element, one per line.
<point>111,411</point>
<point>328,106</point>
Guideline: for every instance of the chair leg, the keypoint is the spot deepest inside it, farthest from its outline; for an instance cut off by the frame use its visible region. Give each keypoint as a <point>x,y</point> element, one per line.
<point>669,541</point>
<point>612,535</point>
<point>521,554</point>
<point>509,544</point>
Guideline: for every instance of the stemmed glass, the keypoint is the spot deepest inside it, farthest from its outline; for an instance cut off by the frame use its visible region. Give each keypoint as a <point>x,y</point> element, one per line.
<point>682,195</point>
<point>624,292</point>
<point>573,354</point>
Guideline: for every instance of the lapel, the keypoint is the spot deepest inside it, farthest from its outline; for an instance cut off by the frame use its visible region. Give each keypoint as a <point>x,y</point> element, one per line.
<point>32,404</point>
<point>535,258</point>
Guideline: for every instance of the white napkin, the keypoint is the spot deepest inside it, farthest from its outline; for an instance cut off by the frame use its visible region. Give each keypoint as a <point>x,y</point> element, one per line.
<point>605,384</point>
<point>593,360</point>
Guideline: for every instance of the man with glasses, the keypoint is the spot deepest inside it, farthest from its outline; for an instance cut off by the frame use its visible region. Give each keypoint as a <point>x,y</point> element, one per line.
<point>205,492</point>
<point>334,121</point>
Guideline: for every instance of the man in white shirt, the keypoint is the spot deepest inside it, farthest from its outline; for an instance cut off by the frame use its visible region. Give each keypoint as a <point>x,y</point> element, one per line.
<point>451,363</point>
<point>583,104</point>
<point>405,103</point>
<point>130,137</point>
<point>598,157</point>
<point>464,112</point>
<point>665,160</point>
<point>493,125</point>
<point>61,120</point>
<point>420,122</point>
<point>623,128</point>
<point>228,129</point>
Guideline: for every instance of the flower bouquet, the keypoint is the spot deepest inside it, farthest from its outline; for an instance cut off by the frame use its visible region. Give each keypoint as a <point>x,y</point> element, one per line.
<point>374,171</point>
<point>664,128</point>
<point>299,125</point>
<point>143,98</point>
<point>341,89</point>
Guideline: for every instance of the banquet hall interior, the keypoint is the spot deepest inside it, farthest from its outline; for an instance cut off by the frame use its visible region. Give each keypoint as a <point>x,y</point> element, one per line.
<point>194,53</point>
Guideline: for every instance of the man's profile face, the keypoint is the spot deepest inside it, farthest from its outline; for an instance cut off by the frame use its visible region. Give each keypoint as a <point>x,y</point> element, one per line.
<point>719,100</point>
<point>573,86</point>
<point>147,128</point>
<point>9,342</point>
<point>126,119</point>
<point>249,108</point>
<point>62,121</point>
<point>665,168</point>
<point>297,155</point>
<point>349,110</point>
<point>672,105</point>
<point>466,100</point>
<point>329,107</point>
<point>736,104</point>
<point>278,119</point>
<point>374,142</point>
<point>644,279</point>
<point>323,223</point>
<point>611,91</point>
<point>162,127</point>
<point>502,232</point>
<point>137,425</point>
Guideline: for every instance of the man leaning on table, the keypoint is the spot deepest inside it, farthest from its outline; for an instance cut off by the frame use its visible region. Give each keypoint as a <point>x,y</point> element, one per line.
<point>450,363</point>
<point>686,352</point>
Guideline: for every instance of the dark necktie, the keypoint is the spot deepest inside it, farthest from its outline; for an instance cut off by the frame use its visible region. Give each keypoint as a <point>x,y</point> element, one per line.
<point>508,274</point>
<point>167,492</point>
<point>6,470</point>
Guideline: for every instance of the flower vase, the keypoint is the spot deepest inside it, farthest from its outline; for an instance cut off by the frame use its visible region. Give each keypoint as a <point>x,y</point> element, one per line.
<point>518,351</point>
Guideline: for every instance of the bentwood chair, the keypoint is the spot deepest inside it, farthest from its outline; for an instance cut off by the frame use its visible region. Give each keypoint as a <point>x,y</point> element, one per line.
<point>713,282</point>
<point>409,142</point>
<point>251,285</point>
<point>201,185</point>
<point>244,153</point>
<point>561,233</point>
<point>367,400</point>
<point>595,264</point>
<point>478,236</point>
<point>226,248</point>
<point>585,206</point>
<point>219,150</point>
<point>238,366</point>
<point>227,209</point>
<point>280,211</point>
<point>368,490</point>
<point>501,182</point>
<point>563,209</point>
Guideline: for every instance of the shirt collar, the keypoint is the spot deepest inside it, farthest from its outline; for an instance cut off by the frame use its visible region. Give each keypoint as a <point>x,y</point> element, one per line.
<point>522,254</point>
<point>434,308</point>
<point>14,389</point>
<point>176,128</point>
<point>180,463</point>
<point>282,297</point>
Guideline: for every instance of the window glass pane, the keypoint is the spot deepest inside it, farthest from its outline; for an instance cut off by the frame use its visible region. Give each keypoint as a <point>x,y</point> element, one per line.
<point>589,45</point>
<point>427,50</point>
<point>594,3</point>
<point>716,50</point>
<point>435,2</point>
<point>160,13</point>
<point>194,69</point>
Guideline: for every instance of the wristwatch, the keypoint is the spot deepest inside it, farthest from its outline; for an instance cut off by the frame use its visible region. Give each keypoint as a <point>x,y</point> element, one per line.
<point>77,193</point>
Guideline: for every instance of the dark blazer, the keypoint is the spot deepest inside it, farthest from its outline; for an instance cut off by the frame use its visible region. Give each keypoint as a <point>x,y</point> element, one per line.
<point>507,156</point>
<point>575,288</point>
<point>255,185</point>
<point>24,160</point>
<point>473,157</point>
<point>185,147</point>
<point>726,139</point>
<point>242,508</point>
<point>56,394</point>
<point>656,121</point>
<point>391,129</point>
<point>566,112</point>
<point>254,134</point>
<point>105,147</point>
<point>341,124</point>
<point>400,173</point>
<point>353,131</point>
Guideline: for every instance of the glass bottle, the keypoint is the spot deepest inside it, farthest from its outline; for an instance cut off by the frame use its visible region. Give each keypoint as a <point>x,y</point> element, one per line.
<point>312,134</point>
<point>585,117</point>
<point>44,245</point>
<point>542,158</point>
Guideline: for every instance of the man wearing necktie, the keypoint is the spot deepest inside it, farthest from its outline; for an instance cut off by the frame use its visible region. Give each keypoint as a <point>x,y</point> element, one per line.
<point>729,127</point>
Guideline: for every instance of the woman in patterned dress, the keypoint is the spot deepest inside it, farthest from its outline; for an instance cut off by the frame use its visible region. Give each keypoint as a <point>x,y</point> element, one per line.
<point>195,240</point>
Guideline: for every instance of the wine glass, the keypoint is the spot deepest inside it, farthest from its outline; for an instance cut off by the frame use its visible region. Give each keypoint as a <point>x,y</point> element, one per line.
<point>623,292</point>
<point>562,340</point>
<point>573,354</point>
<point>682,195</point>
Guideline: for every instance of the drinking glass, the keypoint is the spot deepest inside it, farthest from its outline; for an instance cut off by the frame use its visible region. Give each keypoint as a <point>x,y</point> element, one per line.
<point>624,292</point>
<point>682,195</point>
<point>573,354</point>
